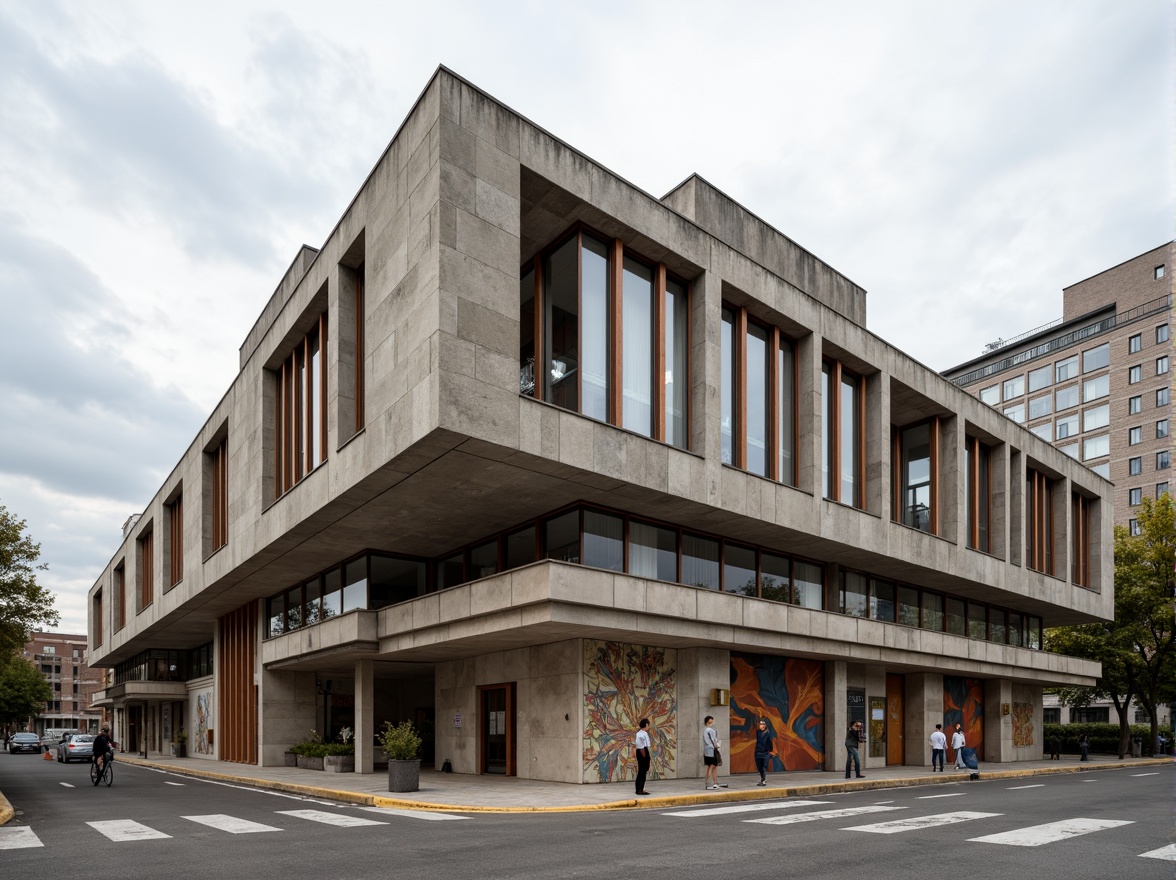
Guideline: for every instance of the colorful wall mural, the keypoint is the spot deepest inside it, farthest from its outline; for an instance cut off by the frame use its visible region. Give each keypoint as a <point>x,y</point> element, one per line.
<point>202,713</point>
<point>790,694</point>
<point>623,684</point>
<point>1022,725</point>
<point>963,703</point>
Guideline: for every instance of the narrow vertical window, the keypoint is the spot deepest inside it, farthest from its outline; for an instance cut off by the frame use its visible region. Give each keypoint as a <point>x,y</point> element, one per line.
<point>786,411</point>
<point>359,348</point>
<point>597,319</point>
<point>218,461</point>
<point>146,570</point>
<point>727,413</point>
<point>527,334</point>
<point>759,404</point>
<point>842,427</point>
<point>636,351</point>
<point>175,515</point>
<point>1080,541</point>
<point>917,466</point>
<point>300,437</point>
<point>977,478</point>
<point>97,618</point>
<point>1039,522</point>
<point>120,598</point>
<point>677,375</point>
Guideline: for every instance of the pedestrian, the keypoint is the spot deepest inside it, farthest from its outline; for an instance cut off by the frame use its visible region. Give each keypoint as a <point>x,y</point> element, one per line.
<point>643,760</point>
<point>938,745</point>
<point>711,753</point>
<point>957,744</point>
<point>765,748</point>
<point>854,737</point>
<point>1055,748</point>
<point>1084,747</point>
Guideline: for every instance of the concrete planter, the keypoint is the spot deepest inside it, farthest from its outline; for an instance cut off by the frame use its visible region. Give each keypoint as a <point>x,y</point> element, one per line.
<point>179,750</point>
<point>309,763</point>
<point>404,775</point>
<point>291,759</point>
<point>339,763</point>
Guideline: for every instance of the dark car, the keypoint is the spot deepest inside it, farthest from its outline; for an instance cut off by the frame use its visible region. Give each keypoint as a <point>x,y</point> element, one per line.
<point>76,747</point>
<point>24,742</point>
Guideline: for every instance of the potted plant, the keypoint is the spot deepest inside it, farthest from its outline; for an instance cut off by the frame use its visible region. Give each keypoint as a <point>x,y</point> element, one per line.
<point>310,752</point>
<point>340,756</point>
<point>180,743</point>
<point>403,746</point>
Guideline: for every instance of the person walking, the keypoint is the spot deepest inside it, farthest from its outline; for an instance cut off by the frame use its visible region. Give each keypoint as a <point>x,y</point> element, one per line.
<point>1084,747</point>
<point>854,737</point>
<point>1055,748</point>
<point>643,760</point>
<point>711,754</point>
<point>938,745</point>
<point>764,749</point>
<point>957,743</point>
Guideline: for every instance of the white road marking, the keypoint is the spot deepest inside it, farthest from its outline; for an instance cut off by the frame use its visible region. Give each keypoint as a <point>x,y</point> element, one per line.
<point>18,837</point>
<point>1090,780</point>
<point>430,815</point>
<point>67,784</point>
<point>927,797</point>
<point>1052,832</point>
<point>180,784</point>
<point>744,808</point>
<point>1137,775</point>
<point>231,824</point>
<point>342,820</point>
<point>822,814</point>
<point>1165,853</point>
<point>1023,787</point>
<point>916,823</point>
<point>122,830</point>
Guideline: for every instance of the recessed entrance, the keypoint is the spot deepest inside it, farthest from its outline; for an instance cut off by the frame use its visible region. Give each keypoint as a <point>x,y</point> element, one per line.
<point>496,729</point>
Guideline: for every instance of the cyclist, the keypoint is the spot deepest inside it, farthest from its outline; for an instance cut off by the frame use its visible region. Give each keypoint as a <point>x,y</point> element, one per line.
<point>103,748</point>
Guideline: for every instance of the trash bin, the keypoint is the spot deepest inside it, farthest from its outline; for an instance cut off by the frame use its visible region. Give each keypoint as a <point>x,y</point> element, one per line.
<point>1136,747</point>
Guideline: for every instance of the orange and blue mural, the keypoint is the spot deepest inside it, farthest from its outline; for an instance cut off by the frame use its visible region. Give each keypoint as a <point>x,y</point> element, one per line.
<point>790,694</point>
<point>963,703</point>
<point>623,684</point>
<point>1022,725</point>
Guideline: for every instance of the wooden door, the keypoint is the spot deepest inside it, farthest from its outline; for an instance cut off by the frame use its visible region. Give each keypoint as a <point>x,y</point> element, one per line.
<point>895,744</point>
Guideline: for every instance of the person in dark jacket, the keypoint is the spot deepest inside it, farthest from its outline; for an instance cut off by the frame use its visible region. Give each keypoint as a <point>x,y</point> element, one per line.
<point>764,749</point>
<point>853,740</point>
<point>1084,747</point>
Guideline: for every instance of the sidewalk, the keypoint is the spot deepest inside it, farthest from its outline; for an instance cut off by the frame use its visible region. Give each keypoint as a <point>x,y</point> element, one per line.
<point>464,793</point>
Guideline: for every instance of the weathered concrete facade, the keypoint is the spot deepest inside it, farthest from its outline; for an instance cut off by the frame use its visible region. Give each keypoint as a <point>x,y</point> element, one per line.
<point>431,448</point>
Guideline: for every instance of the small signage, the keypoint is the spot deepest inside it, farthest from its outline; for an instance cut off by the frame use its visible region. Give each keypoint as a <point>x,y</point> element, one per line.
<point>457,719</point>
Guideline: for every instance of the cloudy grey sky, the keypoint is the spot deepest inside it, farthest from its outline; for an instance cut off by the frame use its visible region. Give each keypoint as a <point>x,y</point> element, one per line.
<point>161,163</point>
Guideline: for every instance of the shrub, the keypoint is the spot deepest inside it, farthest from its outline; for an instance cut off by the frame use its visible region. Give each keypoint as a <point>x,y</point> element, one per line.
<point>400,741</point>
<point>1104,738</point>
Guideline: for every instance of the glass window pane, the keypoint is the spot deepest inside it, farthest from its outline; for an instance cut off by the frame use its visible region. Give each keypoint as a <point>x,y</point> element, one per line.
<point>653,552</point>
<point>1066,369</point>
<point>276,613</point>
<point>990,395</point>
<point>727,404</point>
<point>1034,637</point>
<point>855,594</point>
<point>908,606</point>
<point>562,539</point>
<point>451,571</point>
<point>1041,377</point>
<point>677,370</point>
<point>1066,427</point>
<point>395,580</point>
<point>739,570</point>
<point>850,432</point>
<point>1096,417</point>
<point>1041,406</point>
<point>314,602</point>
<point>1016,412</point>
<point>1096,358</point>
<point>332,593</point>
<point>484,560</point>
<point>1016,629</point>
<point>1095,447</point>
<point>700,561</point>
<point>955,616</point>
<point>808,583</point>
<point>997,631</point>
<point>932,611</point>
<point>977,621</point>
<point>774,578</point>
<point>882,601</point>
<point>527,333</point>
<point>1064,398</point>
<point>826,430</point>
<point>596,341</point>
<point>1093,389</point>
<point>1014,387</point>
<point>355,585</point>
<point>916,477</point>
<point>786,407</point>
<point>758,405</point>
<point>562,326</point>
<point>637,347</point>
<point>604,545</point>
<point>520,548</point>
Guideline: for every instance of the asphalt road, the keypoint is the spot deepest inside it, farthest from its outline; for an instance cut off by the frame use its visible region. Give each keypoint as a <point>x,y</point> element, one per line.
<point>152,824</point>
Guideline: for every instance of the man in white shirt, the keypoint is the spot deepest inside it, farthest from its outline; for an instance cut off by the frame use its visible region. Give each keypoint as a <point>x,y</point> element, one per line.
<point>957,743</point>
<point>642,744</point>
<point>938,744</point>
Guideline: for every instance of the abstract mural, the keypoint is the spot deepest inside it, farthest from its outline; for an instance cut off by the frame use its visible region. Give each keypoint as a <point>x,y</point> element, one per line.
<point>622,684</point>
<point>790,694</point>
<point>963,703</point>
<point>1022,724</point>
<point>202,712</point>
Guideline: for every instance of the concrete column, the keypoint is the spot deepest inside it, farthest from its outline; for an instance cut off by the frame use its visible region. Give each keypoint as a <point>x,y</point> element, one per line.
<point>952,490</point>
<point>365,716</point>
<point>836,714</point>
<point>924,709</point>
<point>998,727</point>
<point>810,423</point>
<point>877,489</point>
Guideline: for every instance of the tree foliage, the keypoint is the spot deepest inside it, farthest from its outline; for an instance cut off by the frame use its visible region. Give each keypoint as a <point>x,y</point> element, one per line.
<point>24,604</point>
<point>23,690</point>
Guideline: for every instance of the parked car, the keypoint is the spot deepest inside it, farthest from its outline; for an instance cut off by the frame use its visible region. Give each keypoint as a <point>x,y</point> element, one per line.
<point>76,747</point>
<point>24,742</point>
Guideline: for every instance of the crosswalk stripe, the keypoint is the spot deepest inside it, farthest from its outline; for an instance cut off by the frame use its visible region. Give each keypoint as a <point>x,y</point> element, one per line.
<point>1166,853</point>
<point>915,823</point>
<point>180,784</point>
<point>1023,787</point>
<point>231,824</point>
<point>1051,832</point>
<point>121,830</point>
<point>744,808</point>
<point>68,784</point>
<point>18,837</point>
<point>1137,775</point>
<point>929,797</point>
<point>340,820</point>
<point>428,815</point>
<point>822,814</point>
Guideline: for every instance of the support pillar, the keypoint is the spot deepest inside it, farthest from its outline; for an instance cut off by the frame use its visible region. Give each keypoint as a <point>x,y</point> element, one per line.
<point>998,722</point>
<point>836,713</point>
<point>924,709</point>
<point>365,716</point>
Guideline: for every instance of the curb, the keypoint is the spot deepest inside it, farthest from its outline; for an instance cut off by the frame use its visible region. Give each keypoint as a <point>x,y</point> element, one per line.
<point>668,801</point>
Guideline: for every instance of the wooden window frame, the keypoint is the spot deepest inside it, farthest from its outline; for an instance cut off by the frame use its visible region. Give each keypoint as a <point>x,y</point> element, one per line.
<point>1080,549</point>
<point>120,597</point>
<point>1039,522</point>
<point>176,540</point>
<point>219,494</point>
<point>897,485</point>
<point>978,489</point>
<point>360,415</point>
<point>146,569</point>
<point>97,616</point>
<point>833,416</point>
<point>296,421</point>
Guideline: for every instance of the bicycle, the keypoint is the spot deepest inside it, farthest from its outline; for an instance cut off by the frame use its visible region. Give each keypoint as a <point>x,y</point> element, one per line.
<point>102,769</point>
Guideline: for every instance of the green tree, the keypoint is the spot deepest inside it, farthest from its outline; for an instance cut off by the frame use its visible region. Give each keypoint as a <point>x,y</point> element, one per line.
<point>23,690</point>
<point>23,602</point>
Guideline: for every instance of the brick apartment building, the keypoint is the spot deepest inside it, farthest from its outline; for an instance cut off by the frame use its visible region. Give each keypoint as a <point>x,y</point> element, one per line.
<point>61,658</point>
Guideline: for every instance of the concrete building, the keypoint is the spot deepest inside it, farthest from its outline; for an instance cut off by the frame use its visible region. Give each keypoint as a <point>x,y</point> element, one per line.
<point>61,658</point>
<point>1097,382</point>
<point>524,454</point>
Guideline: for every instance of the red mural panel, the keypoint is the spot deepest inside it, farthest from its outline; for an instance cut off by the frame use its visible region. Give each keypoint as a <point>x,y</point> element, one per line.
<point>790,695</point>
